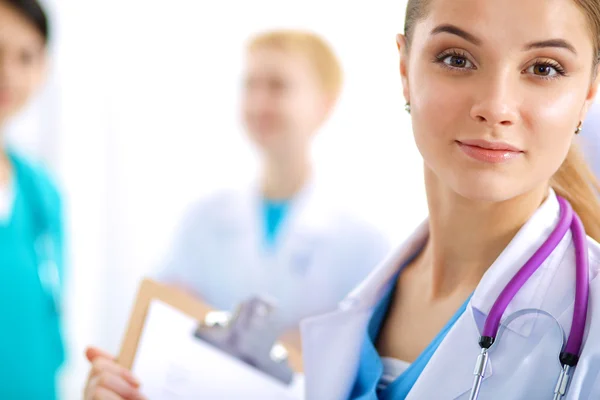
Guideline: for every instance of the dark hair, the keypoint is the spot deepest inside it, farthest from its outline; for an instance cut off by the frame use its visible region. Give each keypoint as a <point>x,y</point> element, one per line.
<point>32,11</point>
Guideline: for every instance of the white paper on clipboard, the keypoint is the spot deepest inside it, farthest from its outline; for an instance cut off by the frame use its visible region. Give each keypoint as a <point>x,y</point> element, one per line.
<point>172,364</point>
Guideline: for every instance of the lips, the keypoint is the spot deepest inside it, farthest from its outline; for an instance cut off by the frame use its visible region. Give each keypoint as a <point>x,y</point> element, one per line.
<point>489,152</point>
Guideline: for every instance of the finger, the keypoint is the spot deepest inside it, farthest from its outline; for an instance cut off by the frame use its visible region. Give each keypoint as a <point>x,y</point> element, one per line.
<point>91,353</point>
<point>116,384</point>
<point>292,339</point>
<point>103,365</point>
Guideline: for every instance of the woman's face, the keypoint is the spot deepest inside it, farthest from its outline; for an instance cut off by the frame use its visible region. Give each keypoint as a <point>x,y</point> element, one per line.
<point>22,61</point>
<point>497,89</point>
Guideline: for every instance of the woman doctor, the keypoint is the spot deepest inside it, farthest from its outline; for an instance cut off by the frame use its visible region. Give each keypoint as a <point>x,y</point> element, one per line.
<point>282,237</point>
<point>31,226</point>
<point>496,90</point>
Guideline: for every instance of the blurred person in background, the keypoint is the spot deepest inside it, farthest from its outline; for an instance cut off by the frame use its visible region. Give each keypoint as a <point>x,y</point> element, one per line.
<point>282,236</point>
<point>590,140</point>
<point>31,237</point>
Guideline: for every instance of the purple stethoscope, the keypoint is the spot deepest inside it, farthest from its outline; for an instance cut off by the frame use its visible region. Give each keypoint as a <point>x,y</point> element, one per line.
<point>570,353</point>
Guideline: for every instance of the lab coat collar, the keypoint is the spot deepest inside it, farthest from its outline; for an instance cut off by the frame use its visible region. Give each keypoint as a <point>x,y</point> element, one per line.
<point>309,211</point>
<point>331,378</point>
<point>527,241</point>
<point>461,341</point>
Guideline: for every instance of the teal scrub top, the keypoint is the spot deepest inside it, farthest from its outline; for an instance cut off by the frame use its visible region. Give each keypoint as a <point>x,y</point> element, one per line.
<point>274,213</point>
<point>31,346</point>
<point>371,368</point>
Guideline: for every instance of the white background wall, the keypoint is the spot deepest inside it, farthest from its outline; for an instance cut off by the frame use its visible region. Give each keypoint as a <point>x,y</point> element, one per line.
<point>141,117</point>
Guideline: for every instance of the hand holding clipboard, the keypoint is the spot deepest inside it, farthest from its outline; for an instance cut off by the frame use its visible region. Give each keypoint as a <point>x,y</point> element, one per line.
<point>175,357</point>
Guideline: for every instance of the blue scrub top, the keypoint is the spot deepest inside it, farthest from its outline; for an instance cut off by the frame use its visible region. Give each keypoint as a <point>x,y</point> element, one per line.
<point>274,213</point>
<point>371,368</point>
<point>31,346</point>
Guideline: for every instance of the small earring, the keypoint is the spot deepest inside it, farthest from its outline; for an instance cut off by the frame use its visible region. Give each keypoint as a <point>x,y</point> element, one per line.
<point>578,130</point>
<point>407,107</point>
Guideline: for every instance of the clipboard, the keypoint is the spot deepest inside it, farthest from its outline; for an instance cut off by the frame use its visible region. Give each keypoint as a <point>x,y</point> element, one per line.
<point>243,334</point>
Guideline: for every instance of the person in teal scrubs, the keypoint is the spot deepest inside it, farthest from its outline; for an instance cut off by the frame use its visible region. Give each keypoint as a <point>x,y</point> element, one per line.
<point>31,226</point>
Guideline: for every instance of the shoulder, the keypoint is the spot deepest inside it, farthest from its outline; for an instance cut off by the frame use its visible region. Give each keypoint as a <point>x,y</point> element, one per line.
<point>351,239</point>
<point>35,176</point>
<point>594,258</point>
<point>219,208</point>
<point>343,221</point>
<point>591,348</point>
<point>358,229</point>
<point>566,256</point>
<point>594,285</point>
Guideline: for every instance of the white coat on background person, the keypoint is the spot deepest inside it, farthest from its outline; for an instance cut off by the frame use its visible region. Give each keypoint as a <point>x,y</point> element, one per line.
<point>322,252</point>
<point>283,237</point>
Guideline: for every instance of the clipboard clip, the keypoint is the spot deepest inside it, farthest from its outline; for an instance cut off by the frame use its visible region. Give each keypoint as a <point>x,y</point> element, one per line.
<point>250,335</point>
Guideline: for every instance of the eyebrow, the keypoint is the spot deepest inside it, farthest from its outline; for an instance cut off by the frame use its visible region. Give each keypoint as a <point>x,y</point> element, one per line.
<point>559,43</point>
<point>455,30</point>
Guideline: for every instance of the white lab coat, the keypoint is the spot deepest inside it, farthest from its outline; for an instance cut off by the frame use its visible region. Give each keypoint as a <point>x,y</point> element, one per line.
<point>524,363</point>
<point>321,255</point>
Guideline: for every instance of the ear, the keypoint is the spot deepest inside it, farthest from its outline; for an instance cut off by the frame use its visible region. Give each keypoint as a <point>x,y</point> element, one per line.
<point>403,52</point>
<point>327,104</point>
<point>591,95</point>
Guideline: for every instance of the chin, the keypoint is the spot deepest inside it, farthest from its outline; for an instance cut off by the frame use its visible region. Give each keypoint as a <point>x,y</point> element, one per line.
<point>488,189</point>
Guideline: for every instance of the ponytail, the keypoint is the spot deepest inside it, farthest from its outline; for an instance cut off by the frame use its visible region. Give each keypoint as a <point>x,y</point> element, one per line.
<point>575,182</point>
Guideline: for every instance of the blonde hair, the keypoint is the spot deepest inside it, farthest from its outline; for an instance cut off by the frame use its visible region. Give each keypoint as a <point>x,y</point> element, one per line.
<point>574,180</point>
<point>310,45</point>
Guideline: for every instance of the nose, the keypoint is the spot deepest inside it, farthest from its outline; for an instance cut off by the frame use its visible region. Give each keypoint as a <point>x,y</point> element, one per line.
<point>497,101</point>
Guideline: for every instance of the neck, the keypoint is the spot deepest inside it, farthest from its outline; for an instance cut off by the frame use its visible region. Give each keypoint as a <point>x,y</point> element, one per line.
<point>283,178</point>
<point>467,236</point>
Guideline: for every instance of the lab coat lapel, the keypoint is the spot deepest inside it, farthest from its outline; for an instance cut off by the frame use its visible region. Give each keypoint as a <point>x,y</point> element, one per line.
<point>451,367</point>
<point>339,334</point>
<point>449,373</point>
<point>526,242</point>
<point>329,352</point>
<point>303,230</point>
<point>238,215</point>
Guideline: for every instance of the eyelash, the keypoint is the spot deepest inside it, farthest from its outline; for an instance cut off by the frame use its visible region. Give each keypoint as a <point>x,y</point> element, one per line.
<point>560,71</point>
<point>450,53</point>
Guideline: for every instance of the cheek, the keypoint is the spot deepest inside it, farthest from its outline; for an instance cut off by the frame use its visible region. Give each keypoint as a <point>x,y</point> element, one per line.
<point>551,121</point>
<point>294,109</point>
<point>557,105</point>
<point>260,105</point>
<point>439,98</point>
<point>29,82</point>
